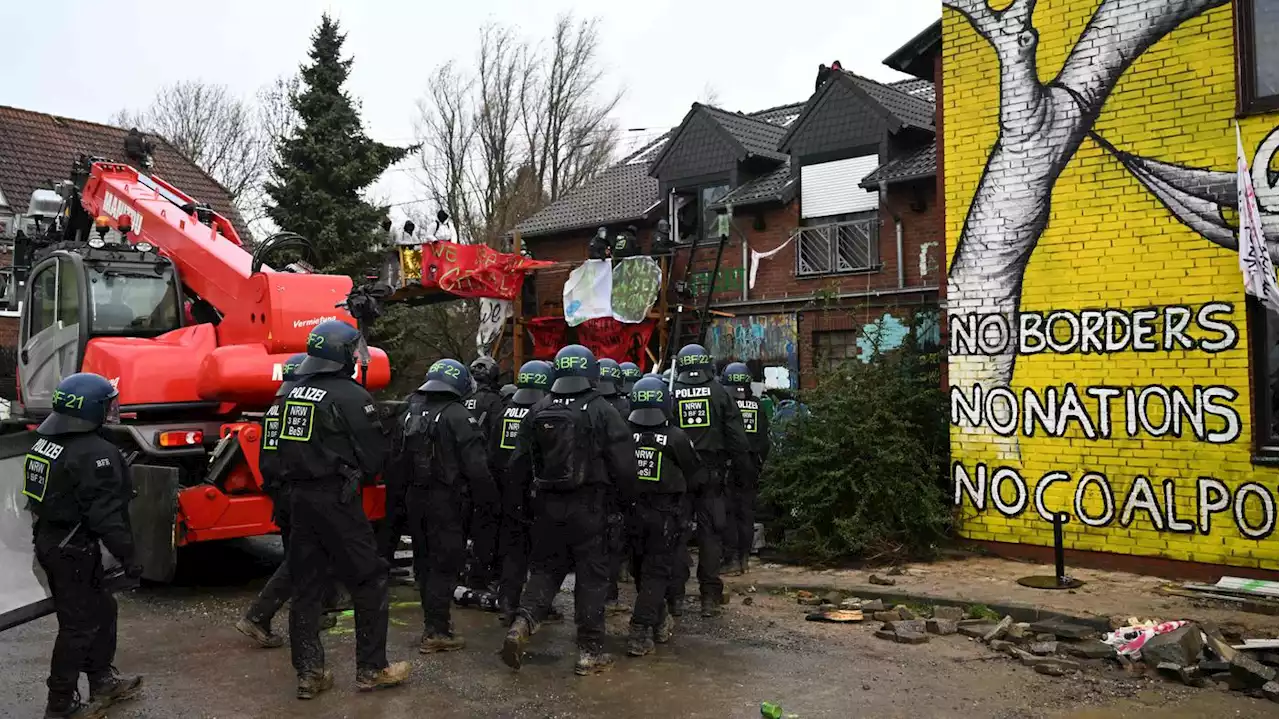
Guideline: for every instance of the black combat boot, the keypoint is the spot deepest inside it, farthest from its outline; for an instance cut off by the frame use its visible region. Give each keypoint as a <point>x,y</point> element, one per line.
<point>675,607</point>
<point>513,646</point>
<point>433,642</point>
<point>392,675</point>
<point>640,641</point>
<point>259,633</point>
<point>592,662</point>
<point>312,685</point>
<point>70,707</point>
<point>662,633</point>
<point>111,688</point>
<point>710,607</point>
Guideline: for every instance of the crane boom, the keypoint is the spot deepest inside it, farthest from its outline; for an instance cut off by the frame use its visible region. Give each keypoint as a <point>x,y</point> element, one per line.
<point>275,309</point>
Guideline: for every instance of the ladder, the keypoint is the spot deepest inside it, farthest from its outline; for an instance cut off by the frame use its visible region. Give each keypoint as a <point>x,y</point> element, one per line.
<point>692,312</point>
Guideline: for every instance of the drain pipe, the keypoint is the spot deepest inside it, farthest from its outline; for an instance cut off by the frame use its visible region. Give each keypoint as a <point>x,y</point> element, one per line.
<point>897,229</point>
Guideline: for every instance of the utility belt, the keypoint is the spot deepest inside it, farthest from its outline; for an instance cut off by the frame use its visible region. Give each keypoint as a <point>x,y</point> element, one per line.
<point>345,486</point>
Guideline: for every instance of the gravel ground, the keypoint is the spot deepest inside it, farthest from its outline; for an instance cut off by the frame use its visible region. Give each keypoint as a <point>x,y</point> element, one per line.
<point>196,665</point>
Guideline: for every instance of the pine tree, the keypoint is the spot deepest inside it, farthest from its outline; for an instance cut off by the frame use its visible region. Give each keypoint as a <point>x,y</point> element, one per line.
<point>321,167</point>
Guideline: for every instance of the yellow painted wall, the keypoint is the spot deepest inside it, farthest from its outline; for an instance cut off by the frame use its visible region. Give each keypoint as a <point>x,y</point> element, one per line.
<point>1110,243</point>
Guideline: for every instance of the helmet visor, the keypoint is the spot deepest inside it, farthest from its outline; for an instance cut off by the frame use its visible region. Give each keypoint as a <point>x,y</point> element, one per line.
<point>112,415</point>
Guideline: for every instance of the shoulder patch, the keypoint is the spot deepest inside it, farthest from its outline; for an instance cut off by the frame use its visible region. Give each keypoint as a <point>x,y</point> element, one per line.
<point>104,462</point>
<point>370,411</point>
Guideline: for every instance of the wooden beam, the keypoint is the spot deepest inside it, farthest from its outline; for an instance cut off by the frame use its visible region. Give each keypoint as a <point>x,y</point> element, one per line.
<point>517,317</point>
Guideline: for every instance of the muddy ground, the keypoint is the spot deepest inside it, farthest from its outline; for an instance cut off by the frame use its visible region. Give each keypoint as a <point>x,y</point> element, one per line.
<point>198,667</point>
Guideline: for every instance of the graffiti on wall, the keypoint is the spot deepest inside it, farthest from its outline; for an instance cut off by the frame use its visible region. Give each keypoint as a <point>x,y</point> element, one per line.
<point>1130,406</point>
<point>728,279</point>
<point>766,343</point>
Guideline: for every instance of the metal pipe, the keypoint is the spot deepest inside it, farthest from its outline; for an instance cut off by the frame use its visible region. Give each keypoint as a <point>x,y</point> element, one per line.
<point>746,258</point>
<point>902,270</point>
<point>897,228</point>
<point>1059,560</point>
<point>841,296</point>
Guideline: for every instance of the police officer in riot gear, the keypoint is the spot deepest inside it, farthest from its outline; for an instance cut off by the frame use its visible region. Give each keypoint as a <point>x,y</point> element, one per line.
<point>630,373</point>
<point>609,387</point>
<point>485,404</point>
<point>667,467</point>
<point>78,488</point>
<point>441,447</point>
<point>256,622</point>
<point>579,456</point>
<point>486,401</point>
<point>331,443</point>
<point>532,383</point>
<point>741,500</point>
<point>713,421</point>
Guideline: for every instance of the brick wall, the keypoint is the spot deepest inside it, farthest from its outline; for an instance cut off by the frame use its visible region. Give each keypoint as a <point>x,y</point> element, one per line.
<point>1055,224</point>
<point>776,277</point>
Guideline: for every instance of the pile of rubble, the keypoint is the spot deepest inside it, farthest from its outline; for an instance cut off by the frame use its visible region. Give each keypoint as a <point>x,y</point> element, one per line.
<point>1195,654</point>
<point>1198,655</point>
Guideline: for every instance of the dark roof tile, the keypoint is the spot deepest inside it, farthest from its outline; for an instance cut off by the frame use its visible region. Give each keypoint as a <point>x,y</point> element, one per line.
<point>907,108</point>
<point>915,165</point>
<point>775,186</point>
<point>916,87</point>
<point>37,149</point>
<point>625,191</point>
<point>757,136</point>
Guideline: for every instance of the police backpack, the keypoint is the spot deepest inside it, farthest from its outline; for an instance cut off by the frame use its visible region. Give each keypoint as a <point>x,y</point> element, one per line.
<point>564,446</point>
<point>419,438</point>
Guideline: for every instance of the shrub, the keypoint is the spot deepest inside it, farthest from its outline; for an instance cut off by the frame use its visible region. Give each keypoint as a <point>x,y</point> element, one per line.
<point>863,476</point>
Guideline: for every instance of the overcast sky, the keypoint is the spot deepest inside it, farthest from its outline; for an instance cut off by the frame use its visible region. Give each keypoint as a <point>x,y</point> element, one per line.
<point>87,59</point>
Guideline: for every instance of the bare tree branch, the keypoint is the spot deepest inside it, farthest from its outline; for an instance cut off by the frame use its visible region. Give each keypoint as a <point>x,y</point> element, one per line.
<point>1098,59</point>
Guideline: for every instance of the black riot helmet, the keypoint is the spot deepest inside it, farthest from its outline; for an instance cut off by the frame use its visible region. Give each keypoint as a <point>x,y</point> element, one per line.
<point>610,377</point>
<point>332,347</point>
<point>693,363</point>
<point>532,383</point>
<point>576,370</point>
<point>508,390</point>
<point>630,373</point>
<point>484,370</point>
<point>650,402</point>
<point>448,376</point>
<point>289,373</point>
<point>737,379</point>
<point>82,402</point>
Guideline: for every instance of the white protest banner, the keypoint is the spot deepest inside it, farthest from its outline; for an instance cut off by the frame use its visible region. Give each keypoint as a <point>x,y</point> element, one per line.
<point>588,293</point>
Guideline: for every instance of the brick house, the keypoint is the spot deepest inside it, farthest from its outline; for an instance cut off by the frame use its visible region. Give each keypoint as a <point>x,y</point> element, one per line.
<point>844,183</point>
<point>1091,196</point>
<point>37,150</point>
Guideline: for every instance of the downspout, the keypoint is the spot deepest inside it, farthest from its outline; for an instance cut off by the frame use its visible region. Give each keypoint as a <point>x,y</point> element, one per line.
<point>897,231</point>
<point>746,268</point>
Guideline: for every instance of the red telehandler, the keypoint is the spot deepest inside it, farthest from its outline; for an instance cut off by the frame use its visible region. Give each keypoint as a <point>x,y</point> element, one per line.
<point>142,284</point>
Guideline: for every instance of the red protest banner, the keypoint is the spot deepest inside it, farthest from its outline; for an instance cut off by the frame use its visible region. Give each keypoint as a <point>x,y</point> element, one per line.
<point>619,341</point>
<point>548,336</point>
<point>474,270</point>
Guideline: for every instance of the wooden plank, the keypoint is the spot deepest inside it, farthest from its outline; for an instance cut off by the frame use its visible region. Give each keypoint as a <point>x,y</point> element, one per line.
<point>1249,586</point>
<point>517,316</point>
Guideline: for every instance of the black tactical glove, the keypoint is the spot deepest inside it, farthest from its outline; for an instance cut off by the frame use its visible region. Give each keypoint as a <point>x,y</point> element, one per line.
<point>132,570</point>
